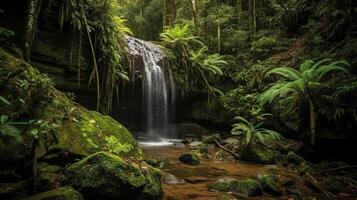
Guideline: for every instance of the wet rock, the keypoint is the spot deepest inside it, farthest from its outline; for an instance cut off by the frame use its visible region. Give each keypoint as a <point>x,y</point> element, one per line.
<point>12,190</point>
<point>270,184</point>
<point>63,193</point>
<point>179,144</point>
<point>211,138</point>
<point>194,144</point>
<point>190,159</point>
<point>108,176</point>
<point>158,163</point>
<point>245,188</point>
<point>170,179</point>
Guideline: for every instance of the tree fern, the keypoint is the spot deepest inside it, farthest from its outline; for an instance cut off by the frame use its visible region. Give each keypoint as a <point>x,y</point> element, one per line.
<point>304,83</point>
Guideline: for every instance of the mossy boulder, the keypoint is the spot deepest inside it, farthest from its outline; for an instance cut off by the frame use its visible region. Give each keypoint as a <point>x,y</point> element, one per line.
<point>83,132</point>
<point>258,153</point>
<point>270,184</point>
<point>245,188</point>
<point>63,193</point>
<point>62,124</point>
<point>190,158</point>
<point>107,176</point>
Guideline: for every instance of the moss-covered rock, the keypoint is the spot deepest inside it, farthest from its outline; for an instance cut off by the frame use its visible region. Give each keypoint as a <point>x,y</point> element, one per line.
<point>244,188</point>
<point>84,132</point>
<point>270,184</point>
<point>63,193</point>
<point>190,158</point>
<point>62,124</point>
<point>258,153</point>
<point>105,175</point>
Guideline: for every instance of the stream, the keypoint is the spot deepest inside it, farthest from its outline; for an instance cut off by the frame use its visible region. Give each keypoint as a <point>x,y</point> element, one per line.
<point>198,177</point>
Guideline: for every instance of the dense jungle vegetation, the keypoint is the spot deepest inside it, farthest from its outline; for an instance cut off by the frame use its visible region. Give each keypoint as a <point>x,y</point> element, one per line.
<point>269,82</point>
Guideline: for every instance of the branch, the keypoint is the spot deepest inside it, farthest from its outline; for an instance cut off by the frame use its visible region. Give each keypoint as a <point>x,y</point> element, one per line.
<point>227,150</point>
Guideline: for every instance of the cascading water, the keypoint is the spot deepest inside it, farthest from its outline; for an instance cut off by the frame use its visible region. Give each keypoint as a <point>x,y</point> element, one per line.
<point>154,85</point>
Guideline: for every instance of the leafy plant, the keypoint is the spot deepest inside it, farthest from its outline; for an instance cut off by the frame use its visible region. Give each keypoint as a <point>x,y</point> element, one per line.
<point>180,38</point>
<point>301,88</point>
<point>253,131</point>
<point>4,101</point>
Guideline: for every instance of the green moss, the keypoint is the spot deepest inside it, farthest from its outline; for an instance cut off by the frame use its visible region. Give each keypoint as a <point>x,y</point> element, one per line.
<point>270,184</point>
<point>108,175</point>
<point>70,127</point>
<point>245,188</point>
<point>190,158</point>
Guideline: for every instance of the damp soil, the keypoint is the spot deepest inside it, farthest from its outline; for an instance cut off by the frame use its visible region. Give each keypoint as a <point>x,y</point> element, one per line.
<point>198,177</point>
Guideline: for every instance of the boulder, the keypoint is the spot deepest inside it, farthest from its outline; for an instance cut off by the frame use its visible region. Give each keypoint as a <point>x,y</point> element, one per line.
<point>258,153</point>
<point>170,179</point>
<point>104,175</point>
<point>194,144</point>
<point>245,188</point>
<point>63,193</point>
<point>65,125</point>
<point>190,159</point>
<point>270,184</point>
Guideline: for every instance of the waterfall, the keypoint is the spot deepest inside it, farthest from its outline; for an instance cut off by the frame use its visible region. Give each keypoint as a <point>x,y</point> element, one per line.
<point>155,93</point>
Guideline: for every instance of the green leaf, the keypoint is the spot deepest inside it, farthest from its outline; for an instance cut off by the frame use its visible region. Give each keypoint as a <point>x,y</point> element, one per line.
<point>2,99</point>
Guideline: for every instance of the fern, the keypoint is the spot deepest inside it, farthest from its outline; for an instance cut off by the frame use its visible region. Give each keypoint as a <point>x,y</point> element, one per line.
<point>305,83</point>
<point>253,131</point>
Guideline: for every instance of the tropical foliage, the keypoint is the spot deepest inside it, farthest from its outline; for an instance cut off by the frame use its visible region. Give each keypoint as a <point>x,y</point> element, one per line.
<point>253,131</point>
<point>300,89</point>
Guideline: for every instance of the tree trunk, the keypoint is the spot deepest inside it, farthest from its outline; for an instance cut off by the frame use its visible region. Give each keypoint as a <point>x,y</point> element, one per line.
<point>169,12</point>
<point>194,14</point>
<point>218,28</point>
<point>30,27</point>
<point>252,20</point>
<point>219,35</point>
<point>239,9</point>
<point>312,119</point>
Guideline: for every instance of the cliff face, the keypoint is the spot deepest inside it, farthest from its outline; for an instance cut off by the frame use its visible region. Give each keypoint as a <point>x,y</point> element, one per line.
<point>62,54</point>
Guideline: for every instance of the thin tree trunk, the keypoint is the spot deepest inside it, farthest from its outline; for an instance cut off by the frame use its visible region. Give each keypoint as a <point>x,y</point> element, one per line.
<point>30,26</point>
<point>252,20</point>
<point>312,122</point>
<point>219,35</point>
<point>194,14</point>
<point>239,9</point>
<point>218,28</point>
